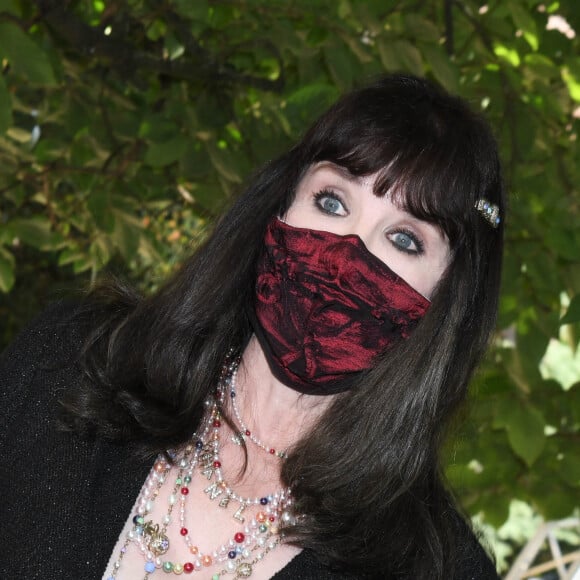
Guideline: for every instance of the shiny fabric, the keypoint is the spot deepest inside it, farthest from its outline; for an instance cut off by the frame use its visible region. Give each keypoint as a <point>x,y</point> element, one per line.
<point>325,307</point>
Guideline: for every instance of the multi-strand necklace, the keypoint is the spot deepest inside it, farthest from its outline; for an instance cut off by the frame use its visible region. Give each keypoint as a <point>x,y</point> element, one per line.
<point>256,536</point>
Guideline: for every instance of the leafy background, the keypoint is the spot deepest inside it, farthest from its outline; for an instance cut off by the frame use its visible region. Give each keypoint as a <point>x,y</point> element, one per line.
<point>127,125</point>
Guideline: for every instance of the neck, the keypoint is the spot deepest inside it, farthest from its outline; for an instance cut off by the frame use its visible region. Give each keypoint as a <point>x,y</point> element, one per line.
<point>276,414</point>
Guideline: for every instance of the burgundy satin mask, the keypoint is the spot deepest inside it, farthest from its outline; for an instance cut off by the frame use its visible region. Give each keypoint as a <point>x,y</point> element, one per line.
<point>326,306</point>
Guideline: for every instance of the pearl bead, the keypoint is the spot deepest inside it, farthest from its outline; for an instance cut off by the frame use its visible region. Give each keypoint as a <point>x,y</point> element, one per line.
<point>177,569</point>
<point>172,499</point>
<point>206,560</point>
<point>231,566</point>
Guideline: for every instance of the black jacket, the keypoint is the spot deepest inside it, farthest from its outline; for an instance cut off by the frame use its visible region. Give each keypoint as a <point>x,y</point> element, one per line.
<point>64,498</point>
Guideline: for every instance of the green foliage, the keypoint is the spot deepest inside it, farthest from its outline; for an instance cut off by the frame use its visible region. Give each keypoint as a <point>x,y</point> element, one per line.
<point>125,127</point>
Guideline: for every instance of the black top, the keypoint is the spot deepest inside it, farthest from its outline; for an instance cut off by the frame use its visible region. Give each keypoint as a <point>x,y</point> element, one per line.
<point>65,498</point>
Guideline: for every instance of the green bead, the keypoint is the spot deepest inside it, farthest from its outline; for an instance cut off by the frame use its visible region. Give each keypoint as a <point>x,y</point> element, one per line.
<point>187,479</point>
<point>178,481</point>
<point>168,567</point>
<point>215,577</point>
<point>263,528</point>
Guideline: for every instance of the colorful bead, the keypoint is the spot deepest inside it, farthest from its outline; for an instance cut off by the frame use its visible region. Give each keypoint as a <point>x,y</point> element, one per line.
<point>184,491</point>
<point>167,567</point>
<point>264,500</point>
<point>217,423</point>
<point>178,569</point>
<point>188,567</point>
<point>183,531</point>
<point>149,567</point>
<point>239,538</point>
<point>206,560</point>
<point>217,464</point>
<point>232,554</point>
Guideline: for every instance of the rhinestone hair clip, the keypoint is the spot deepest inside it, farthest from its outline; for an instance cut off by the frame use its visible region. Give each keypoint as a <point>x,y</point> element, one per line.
<point>489,211</point>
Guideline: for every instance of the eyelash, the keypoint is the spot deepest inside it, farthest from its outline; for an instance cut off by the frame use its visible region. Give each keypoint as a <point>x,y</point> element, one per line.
<point>418,243</point>
<point>331,194</point>
<point>326,193</point>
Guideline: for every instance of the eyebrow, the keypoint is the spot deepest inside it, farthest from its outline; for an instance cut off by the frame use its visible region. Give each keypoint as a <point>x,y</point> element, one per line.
<point>342,171</point>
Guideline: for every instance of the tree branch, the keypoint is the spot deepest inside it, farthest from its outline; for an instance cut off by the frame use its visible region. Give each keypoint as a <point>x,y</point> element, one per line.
<point>201,67</point>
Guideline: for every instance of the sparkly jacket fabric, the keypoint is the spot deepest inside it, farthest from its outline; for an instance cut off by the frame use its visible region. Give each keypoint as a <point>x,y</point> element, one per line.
<point>65,499</point>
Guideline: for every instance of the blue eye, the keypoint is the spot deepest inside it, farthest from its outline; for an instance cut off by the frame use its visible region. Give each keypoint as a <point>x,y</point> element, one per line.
<point>406,242</point>
<point>329,203</point>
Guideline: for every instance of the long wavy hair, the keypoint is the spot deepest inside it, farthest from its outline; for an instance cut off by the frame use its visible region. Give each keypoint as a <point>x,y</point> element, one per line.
<point>367,476</point>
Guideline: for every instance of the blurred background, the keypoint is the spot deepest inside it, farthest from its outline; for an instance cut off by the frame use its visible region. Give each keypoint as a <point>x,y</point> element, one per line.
<point>127,125</point>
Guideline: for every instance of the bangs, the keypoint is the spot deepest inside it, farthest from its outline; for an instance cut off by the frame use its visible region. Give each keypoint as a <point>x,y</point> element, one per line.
<point>432,155</point>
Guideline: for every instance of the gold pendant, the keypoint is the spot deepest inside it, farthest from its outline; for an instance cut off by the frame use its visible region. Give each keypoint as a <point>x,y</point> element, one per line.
<point>224,501</point>
<point>214,490</point>
<point>244,570</point>
<point>238,515</point>
<point>156,541</point>
<point>208,472</point>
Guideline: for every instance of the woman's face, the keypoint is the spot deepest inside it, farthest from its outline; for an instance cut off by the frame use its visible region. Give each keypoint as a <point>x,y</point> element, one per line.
<point>331,199</point>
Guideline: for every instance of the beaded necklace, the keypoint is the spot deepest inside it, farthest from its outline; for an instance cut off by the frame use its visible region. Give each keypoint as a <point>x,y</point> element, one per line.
<point>242,551</point>
<point>244,432</point>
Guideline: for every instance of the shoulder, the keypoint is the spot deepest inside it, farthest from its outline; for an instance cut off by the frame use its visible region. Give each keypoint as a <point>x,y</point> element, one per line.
<point>472,561</point>
<point>53,340</point>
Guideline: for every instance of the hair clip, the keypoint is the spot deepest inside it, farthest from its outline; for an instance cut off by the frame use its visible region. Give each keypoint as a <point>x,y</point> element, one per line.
<point>489,211</point>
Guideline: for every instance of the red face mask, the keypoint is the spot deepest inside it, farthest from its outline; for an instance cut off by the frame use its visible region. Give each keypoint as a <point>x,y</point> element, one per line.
<point>326,307</point>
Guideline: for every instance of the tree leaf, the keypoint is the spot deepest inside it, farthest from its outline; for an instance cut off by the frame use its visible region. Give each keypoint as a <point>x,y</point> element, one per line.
<point>166,153</point>
<point>36,232</point>
<point>524,22</point>
<point>409,57</point>
<point>421,28</point>
<point>443,69</point>
<point>526,432</point>
<point>6,270</point>
<point>5,107</point>
<point>573,313</point>
<point>99,204</point>
<point>26,57</point>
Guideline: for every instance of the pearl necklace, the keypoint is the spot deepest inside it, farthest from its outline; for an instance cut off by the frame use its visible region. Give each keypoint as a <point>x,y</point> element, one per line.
<point>244,432</point>
<point>257,538</point>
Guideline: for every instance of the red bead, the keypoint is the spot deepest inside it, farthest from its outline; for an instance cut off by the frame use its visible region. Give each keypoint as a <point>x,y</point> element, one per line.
<point>239,538</point>
<point>248,432</point>
<point>183,531</point>
<point>184,491</point>
<point>217,423</point>
<point>217,464</point>
<point>272,451</point>
<point>188,567</point>
<point>272,518</point>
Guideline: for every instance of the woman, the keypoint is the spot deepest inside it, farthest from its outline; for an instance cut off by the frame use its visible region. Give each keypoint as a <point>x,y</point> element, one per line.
<point>295,378</point>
